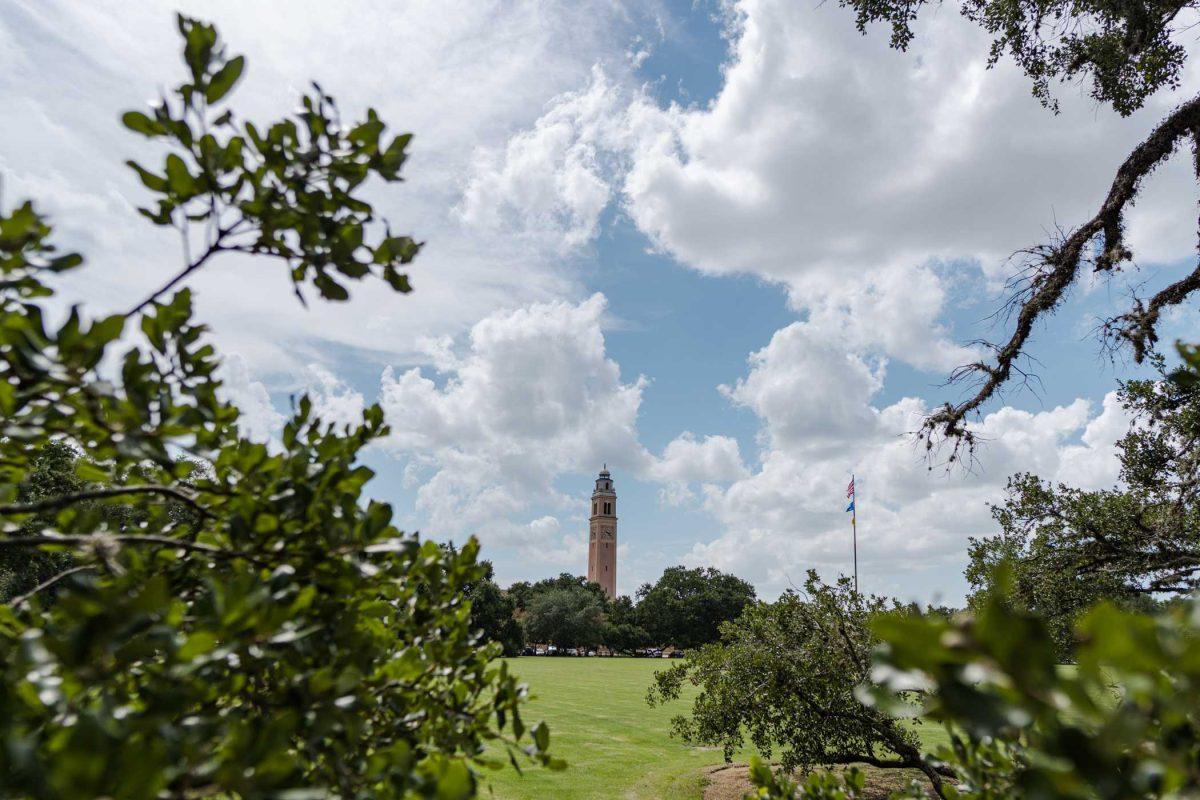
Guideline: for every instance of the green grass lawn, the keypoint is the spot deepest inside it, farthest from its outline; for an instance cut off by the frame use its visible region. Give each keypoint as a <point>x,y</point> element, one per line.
<point>615,744</point>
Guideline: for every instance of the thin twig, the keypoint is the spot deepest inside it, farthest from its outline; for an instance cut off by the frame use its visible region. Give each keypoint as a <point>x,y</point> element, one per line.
<point>20,599</point>
<point>63,500</point>
<point>213,249</point>
<point>130,538</point>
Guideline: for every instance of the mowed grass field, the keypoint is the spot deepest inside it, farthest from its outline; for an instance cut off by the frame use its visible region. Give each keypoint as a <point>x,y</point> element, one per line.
<point>616,746</point>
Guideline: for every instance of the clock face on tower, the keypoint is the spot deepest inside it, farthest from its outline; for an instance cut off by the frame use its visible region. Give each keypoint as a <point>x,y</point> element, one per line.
<point>606,534</point>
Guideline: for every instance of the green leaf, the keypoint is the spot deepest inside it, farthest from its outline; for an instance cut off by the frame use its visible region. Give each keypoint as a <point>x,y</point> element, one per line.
<point>90,472</point>
<point>151,181</point>
<point>541,736</point>
<point>197,644</point>
<point>220,84</point>
<point>178,177</point>
<point>138,122</point>
<point>329,288</point>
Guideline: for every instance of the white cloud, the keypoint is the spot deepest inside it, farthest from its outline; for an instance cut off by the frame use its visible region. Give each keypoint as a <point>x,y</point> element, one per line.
<point>788,516</point>
<point>809,391</point>
<point>335,402</point>
<point>712,459</point>
<point>549,181</point>
<point>532,396</point>
<point>871,183</point>
<point>687,460</point>
<point>463,75</point>
<point>259,418</point>
<point>827,152</point>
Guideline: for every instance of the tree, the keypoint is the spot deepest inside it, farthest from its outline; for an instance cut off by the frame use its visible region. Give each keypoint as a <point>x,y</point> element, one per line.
<point>785,675</point>
<point>624,637</point>
<point>566,580</point>
<point>56,471</point>
<point>521,593</point>
<point>1127,51</point>
<point>492,613</point>
<point>622,633</point>
<point>1068,548</point>
<point>687,606</point>
<point>282,638</point>
<point>1122,724</point>
<point>566,617</point>
<point>52,474</point>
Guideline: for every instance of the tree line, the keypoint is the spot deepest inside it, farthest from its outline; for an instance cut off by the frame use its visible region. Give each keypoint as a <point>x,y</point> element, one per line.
<point>684,608</point>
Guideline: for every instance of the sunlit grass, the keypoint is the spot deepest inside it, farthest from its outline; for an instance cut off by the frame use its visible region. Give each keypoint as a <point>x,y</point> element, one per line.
<point>616,745</point>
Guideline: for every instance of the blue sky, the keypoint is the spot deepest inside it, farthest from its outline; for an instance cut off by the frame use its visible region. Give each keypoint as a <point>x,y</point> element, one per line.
<point>733,250</point>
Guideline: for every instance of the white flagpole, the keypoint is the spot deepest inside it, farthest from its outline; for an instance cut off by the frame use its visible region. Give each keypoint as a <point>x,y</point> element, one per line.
<point>854,528</point>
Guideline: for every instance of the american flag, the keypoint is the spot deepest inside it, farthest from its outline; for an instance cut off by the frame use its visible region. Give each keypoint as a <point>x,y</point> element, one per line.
<point>850,488</point>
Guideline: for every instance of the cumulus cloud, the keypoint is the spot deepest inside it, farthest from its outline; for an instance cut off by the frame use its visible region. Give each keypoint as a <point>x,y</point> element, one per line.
<point>870,183</point>
<point>807,390</point>
<point>259,418</point>
<point>688,460</point>
<point>333,400</point>
<point>788,515</point>
<point>533,395</point>
<point>827,151</point>
<point>549,181</point>
<point>69,76</point>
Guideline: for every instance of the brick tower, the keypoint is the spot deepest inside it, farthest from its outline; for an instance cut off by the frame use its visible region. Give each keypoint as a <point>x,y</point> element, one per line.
<point>602,535</point>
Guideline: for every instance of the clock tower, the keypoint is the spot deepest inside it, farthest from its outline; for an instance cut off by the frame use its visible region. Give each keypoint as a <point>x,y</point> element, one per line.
<point>602,535</point>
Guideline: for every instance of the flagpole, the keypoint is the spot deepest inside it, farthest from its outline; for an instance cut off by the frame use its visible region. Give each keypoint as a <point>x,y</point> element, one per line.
<point>854,531</point>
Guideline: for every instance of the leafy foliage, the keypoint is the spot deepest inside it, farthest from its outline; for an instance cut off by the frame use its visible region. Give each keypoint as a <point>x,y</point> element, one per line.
<point>1123,723</point>
<point>492,613</point>
<point>523,593</point>
<point>281,638</point>
<point>1069,548</point>
<point>821,785</point>
<point>622,633</point>
<point>1128,50</point>
<point>566,617</point>
<point>52,474</point>
<point>785,675</point>
<point>286,191</point>
<point>687,606</point>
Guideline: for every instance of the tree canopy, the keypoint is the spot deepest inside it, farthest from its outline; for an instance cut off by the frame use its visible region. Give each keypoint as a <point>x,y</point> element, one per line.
<point>1121,724</point>
<point>569,616</point>
<point>492,613</point>
<point>785,676</point>
<point>686,607</point>
<point>1068,548</point>
<point>282,638</point>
